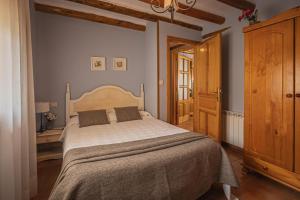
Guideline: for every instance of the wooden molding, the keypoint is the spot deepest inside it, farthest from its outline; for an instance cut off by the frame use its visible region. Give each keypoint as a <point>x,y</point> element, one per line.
<point>281,175</point>
<point>240,4</point>
<point>215,32</point>
<point>88,16</point>
<point>197,13</point>
<point>181,40</point>
<point>158,69</point>
<point>177,46</point>
<point>134,13</point>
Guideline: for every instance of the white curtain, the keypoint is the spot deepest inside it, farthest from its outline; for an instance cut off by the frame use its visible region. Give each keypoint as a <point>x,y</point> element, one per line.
<point>18,174</point>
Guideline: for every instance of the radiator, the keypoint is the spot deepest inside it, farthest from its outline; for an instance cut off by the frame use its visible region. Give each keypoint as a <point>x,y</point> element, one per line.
<point>233,128</point>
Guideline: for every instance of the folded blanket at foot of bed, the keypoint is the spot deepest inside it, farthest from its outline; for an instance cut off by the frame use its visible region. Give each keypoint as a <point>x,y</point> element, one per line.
<point>180,166</point>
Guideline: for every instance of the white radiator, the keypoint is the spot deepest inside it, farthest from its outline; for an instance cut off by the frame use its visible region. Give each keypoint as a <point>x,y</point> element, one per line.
<point>233,128</point>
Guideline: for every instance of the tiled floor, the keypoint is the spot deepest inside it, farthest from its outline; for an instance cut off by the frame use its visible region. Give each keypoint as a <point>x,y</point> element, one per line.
<point>252,186</point>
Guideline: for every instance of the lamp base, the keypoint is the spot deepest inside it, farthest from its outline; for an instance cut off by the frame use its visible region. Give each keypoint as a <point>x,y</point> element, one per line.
<point>42,128</point>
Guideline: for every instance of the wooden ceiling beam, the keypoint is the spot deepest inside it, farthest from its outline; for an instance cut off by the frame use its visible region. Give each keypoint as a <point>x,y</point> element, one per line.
<point>196,13</point>
<point>201,14</point>
<point>134,13</point>
<point>88,16</point>
<point>240,4</point>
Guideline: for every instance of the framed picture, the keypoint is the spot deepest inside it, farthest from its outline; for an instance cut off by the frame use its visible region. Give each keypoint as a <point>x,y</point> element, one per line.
<point>98,64</point>
<point>119,64</point>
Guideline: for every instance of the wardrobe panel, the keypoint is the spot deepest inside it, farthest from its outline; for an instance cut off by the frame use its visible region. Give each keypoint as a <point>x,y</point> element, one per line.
<point>269,99</point>
<point>297,98</point>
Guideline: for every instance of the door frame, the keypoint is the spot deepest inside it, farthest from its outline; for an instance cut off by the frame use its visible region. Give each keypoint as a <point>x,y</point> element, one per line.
<point>171,110</point>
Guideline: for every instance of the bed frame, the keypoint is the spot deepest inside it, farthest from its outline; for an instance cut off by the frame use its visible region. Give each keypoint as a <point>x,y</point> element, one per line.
<point>103,97</point>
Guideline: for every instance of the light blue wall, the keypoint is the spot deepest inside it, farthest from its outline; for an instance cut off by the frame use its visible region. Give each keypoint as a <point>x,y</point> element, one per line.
<point>63,47</point>
<point>165,30</point>
<point>151,68</point>
<point>62,50</point>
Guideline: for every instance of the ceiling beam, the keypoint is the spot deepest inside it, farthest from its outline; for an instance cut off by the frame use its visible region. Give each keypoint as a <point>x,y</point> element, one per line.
<point>201,14</point>
<point>134,13</point>
<point>240,4</point>
<point>196,13</point>
<point>88,16</point>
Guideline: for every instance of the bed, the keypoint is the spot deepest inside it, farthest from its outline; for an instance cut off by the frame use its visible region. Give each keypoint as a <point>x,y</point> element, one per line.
<point>138,159</point>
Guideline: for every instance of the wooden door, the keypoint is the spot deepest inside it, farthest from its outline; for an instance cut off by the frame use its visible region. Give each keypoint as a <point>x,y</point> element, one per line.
<point>297,99</point>
<point>207,106</point>
<point>269,102</point>
<point>183,88</point>
<point>174,91</point>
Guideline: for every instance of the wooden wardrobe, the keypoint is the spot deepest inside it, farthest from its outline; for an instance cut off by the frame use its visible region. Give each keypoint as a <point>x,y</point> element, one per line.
<point>272,98</point>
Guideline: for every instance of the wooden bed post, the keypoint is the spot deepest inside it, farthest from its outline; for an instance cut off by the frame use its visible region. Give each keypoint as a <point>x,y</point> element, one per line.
<point>68,98</point>
<point>142,95</point>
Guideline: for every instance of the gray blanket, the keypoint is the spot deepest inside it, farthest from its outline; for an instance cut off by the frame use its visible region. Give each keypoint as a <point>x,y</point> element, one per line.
<point>181,166</point>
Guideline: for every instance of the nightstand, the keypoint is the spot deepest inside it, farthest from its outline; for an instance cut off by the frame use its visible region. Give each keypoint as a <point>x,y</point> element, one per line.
<point>48,145</point>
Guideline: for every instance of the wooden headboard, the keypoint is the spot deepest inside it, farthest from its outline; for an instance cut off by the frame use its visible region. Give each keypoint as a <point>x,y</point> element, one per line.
<point>103,97</point>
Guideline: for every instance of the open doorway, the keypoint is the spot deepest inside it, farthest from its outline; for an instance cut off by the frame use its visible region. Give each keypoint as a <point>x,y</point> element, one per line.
<point>181,87</point>
<point>185,85</point>
<point>194,86</point>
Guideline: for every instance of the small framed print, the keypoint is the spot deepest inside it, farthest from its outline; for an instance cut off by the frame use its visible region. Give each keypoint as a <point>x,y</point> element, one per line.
<point>119,64</point>
<point>98,64</point>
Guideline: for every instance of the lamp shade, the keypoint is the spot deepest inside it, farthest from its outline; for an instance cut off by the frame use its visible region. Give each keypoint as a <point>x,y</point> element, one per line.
<point>42,107</point>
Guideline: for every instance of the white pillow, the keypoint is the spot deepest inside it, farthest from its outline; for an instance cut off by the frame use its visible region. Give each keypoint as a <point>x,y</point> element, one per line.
<point>111,115</point>
<point>145,115</point>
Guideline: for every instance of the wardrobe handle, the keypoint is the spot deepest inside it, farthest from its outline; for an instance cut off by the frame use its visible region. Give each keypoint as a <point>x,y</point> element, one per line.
<point>297,95</point>
<point>289,95</point>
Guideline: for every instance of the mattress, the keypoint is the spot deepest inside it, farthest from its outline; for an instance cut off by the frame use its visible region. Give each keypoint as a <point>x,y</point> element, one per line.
<point>141,159</point>
<point>75,137</point>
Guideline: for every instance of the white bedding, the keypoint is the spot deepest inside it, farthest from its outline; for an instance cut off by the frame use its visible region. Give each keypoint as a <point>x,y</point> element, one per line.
<point>75,137</point>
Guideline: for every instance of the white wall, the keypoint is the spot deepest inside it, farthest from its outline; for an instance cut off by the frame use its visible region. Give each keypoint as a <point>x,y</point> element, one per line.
<point>165,30</point>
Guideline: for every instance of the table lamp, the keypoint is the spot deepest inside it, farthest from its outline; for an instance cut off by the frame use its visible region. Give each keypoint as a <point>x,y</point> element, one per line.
<point>41,108</point>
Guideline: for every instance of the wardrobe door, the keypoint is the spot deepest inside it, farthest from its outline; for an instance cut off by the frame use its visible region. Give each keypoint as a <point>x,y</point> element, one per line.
<point>269,87</point>
<point>297,98</point>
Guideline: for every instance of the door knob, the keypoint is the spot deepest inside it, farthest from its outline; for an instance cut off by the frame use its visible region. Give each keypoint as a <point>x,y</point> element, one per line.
<point>297,95</point>
<point>289,95</point>
<point>220,92</point>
